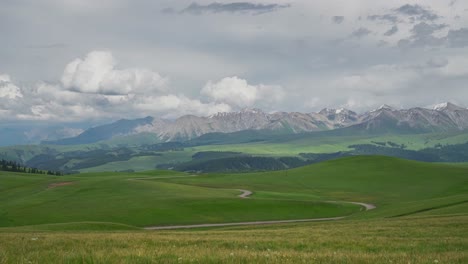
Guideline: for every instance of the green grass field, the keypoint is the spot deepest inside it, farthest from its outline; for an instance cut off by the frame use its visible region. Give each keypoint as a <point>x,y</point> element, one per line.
<point>274,145</point>
<point>133,199</point>
<point>403,240</point>
<point>311,143</point>
<point>421,215</point>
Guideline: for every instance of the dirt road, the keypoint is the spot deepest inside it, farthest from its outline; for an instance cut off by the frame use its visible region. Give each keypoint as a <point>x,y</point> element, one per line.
<point>246,194</point>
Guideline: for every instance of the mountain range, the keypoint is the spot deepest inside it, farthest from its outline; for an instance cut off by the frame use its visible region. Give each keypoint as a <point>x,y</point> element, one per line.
<point>442,118</point>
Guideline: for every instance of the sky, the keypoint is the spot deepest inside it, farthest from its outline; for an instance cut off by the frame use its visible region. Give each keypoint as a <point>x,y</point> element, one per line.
<point>78,60</point>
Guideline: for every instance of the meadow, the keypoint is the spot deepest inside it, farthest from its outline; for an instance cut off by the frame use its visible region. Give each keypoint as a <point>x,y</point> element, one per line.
<point>104,155</point>
<point>421,215</point>
<point>404,240</point>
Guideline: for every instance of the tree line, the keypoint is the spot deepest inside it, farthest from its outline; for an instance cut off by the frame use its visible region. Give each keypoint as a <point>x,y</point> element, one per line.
<point>13,166</point>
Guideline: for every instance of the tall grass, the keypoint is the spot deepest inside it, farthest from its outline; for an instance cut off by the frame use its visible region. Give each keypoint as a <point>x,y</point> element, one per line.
<point>408,240</point>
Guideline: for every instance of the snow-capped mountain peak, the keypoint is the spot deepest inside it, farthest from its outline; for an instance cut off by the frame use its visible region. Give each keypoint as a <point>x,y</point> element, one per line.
<point>447,106</point>
<point>386,107</point>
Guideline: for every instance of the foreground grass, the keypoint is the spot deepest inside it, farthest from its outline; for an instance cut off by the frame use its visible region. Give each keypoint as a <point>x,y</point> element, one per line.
<point>407,240</point>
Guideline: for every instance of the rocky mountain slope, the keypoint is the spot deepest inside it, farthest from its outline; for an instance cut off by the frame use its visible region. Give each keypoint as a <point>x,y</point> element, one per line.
<point>443,117</point>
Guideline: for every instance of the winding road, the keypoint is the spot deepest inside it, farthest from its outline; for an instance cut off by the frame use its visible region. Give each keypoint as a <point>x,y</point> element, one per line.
<point>246,194</point>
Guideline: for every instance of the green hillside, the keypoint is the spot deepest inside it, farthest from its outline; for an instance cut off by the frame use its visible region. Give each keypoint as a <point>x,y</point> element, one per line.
<point>421,215</point>
<point>134,200</point>
<point>397,187</point>
<point>387,182</point>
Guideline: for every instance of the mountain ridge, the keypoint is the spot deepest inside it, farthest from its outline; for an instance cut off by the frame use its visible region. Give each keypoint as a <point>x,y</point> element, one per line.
<point>442,118</point>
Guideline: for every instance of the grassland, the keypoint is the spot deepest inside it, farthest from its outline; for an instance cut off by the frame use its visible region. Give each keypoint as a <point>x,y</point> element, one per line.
<point>271,145</point>
<point>398,187</point>
<point>403,240</point>
<point>311,143</point>
<point>143,163</point>
<point>422,215</point>
<point>288,145</point>
<point>128,199</point>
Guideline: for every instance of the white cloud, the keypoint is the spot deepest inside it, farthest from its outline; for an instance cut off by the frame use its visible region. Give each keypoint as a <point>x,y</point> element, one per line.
<point>171,106</point>
<point>92,88</point>
<point>236,91</point>
<point>8,89</point>
<point>97,73</point>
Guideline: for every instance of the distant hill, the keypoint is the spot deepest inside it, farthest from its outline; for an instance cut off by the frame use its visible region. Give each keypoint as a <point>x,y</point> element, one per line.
<point>122,127</point>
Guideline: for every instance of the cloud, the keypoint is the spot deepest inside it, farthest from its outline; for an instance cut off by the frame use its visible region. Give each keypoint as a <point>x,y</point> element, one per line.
<point>239,7</point>
<point>391,31</point>
<point>236,91</point>
<point>338,19</point>
<point>386,18</point>
<point>172,106</point>
<point>55,103</point>
<point>422,36</point>
<point>437,62</point>
<point>417,12</point>
<point>378,80</point>
<point>97,73</point>
<point>360,32</point>
<point>93,89</point>
<point>8,89</point>
<point>458,38</point>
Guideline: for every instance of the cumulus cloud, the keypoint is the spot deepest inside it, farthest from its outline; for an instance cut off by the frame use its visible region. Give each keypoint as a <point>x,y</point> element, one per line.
<point>93,88</point>
<point>171,106</point>
<point>97,73</point>
<point>236,91</point>
<point>238,7</point>
<point>8,89</point>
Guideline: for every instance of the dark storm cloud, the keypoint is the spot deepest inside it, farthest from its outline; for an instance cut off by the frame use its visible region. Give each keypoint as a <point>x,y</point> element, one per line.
<point>391,31</point>
<point>417,12</point>
<point>240,7</point>
<point>338,19</point>
<point>360,32</point>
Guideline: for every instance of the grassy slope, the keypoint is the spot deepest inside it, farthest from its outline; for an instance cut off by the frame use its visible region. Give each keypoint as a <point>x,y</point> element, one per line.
<point>396,186</point>
<point>143,163</point>
<point>115,197</point>
<point>309,143</point>
<point>407,240</point>
<point>429,200</point>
